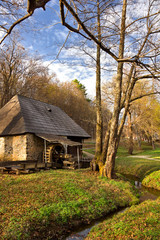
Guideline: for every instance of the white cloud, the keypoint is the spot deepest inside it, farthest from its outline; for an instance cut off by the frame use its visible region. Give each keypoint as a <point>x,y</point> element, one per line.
<point>67,73</point>
<point>1,34</point>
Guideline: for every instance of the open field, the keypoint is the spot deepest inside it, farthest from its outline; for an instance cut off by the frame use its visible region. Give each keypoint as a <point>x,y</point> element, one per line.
<point>48,204</point>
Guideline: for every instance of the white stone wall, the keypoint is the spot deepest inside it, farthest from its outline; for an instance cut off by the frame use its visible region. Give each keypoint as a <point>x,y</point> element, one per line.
<point>19,147</point>
<point>13,148</point>
<point>22,147</point>
<point>1,148</point>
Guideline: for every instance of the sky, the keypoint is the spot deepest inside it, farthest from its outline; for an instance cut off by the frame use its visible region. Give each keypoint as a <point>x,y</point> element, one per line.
<point>44,34</point>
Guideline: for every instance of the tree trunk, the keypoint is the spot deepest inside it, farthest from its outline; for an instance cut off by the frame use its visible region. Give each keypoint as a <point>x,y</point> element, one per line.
<point>130,133</point>
<point>112,148</point>
<point>112,144</point>
<point>99,123</point>
<point>98,107</point>
<point>153,144</point>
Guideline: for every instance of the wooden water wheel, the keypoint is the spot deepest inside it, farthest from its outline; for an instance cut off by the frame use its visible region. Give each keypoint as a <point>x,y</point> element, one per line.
<point>54,154</point>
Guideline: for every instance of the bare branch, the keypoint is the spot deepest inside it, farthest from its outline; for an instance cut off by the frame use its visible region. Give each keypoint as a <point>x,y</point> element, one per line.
<point>66,24</point>
<point>144,95</point>
<point>31,6</point>
<point>13,25</point>
<point>64,2</point>
<point>142,19</point>
<point>147,76</point>
<point>59,50</point>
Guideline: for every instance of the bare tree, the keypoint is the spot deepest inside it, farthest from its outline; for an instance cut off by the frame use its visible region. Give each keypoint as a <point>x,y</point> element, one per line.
<point>131,39</point>
<point>135,62</point>
<point>12,69</point>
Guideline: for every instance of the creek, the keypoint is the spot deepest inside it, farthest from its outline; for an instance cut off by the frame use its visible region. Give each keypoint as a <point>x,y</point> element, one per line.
<point>145,194</point>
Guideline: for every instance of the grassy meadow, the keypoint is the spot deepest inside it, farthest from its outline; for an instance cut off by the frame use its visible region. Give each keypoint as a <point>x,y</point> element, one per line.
<point>138,164</point>
<point>152,180</point>
<point>48,204</point>
<point>140,222</point>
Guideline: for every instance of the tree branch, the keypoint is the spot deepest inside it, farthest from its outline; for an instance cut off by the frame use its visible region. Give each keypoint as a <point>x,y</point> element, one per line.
<point>71,10</point>
<point>66,24</point>
<point>14,24</point>
<point>31,6</point>
<point>144,95</point>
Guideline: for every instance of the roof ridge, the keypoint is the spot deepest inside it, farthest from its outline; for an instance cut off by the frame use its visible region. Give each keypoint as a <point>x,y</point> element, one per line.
<point>22,96</point>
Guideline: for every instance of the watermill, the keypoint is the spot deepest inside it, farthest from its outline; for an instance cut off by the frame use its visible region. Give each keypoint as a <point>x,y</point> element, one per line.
<point>54,154</point>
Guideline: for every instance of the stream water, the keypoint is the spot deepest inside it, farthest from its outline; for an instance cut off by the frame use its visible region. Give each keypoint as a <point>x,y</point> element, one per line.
<point>146,194</point>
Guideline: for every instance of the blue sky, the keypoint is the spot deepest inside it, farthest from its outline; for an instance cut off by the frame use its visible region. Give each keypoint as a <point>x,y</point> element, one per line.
<point>44,34</point>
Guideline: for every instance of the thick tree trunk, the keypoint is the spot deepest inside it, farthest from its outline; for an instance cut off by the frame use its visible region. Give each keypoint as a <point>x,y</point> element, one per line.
<point>113,140</point>
<point>112,145</point>
<point>105,144</point>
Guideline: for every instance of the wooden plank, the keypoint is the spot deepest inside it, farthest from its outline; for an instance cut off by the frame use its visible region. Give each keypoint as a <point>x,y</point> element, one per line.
<point>68,162</point>
<point>49,165</point>
<point>41,165</point>
<point>30,166</point>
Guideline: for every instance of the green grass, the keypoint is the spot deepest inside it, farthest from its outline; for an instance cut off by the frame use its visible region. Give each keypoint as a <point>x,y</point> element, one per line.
<point>49,203</point>
<point>152,180</point>
<point>136,166</point>
<point>139,167</point>
<point>138,222</point>
<point>89,150</point>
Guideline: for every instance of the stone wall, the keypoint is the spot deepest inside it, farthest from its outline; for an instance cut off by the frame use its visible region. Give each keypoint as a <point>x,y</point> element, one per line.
<point>13,148</point>
<point>22,147</point>
<point>34,147</point>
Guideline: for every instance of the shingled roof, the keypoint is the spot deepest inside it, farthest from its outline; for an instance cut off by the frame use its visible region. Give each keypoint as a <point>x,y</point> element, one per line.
<point>25,115</point>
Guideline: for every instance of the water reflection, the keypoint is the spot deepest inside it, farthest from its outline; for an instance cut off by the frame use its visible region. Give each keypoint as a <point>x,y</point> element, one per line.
<point>80,235</point>
<point>138,184</point>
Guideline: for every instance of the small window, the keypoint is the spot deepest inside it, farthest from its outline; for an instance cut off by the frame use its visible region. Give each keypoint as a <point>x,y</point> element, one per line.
<point>49,109</point>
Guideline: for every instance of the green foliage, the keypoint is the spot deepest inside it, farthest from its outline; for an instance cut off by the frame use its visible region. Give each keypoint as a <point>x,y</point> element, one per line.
<point>140,222</point>
<point>152,180</point>
<point>46,203</point>
<point>80,86</point>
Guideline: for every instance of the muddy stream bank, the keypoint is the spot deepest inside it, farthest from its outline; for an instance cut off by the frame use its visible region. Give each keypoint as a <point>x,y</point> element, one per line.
<point>145,194</point>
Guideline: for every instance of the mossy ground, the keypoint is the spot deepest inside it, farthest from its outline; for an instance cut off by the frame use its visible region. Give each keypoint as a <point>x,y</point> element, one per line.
<point>142,221</point>
<point>48,204</point>
<point>152,180</point>
<point>138,222</point>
